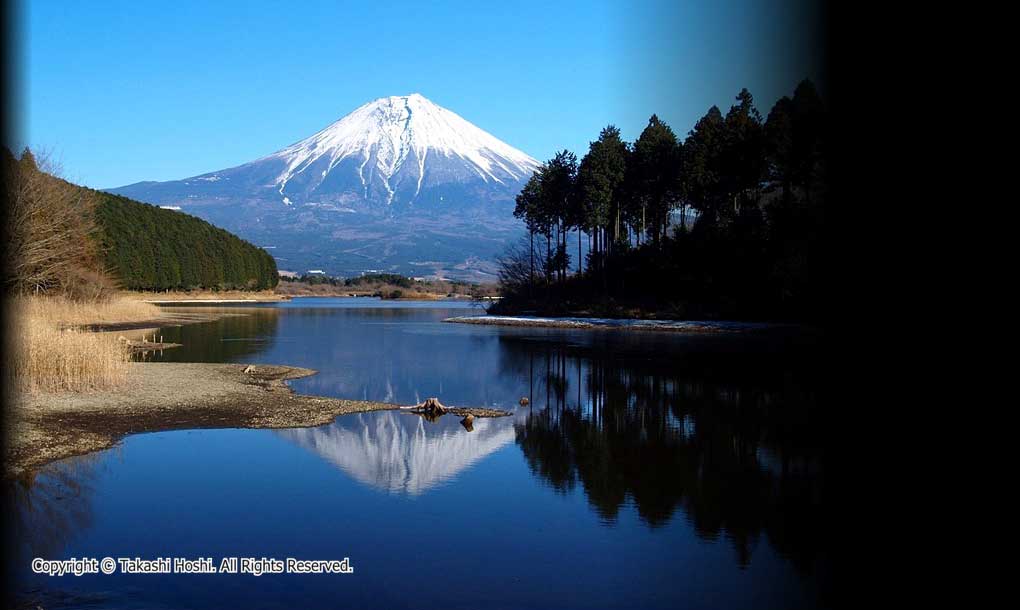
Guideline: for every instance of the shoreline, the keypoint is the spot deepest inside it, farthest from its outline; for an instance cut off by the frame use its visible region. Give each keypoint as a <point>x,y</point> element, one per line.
<point>43,428</point>
<point>283,298</point>
<point>421,296</point>
<point>425,297</point>
<point>172,302</point>
<point>175,318</point>
<point>641,324</point>
<point>204,296</point>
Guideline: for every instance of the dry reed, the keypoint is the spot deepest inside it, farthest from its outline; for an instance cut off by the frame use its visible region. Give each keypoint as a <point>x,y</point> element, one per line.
<point>49,353</point>
<point>62,312</point>
<point>199,295</point>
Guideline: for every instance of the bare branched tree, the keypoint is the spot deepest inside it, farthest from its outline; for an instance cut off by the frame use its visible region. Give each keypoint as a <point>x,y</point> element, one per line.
<point>50,245</point>
<point>515,275</point>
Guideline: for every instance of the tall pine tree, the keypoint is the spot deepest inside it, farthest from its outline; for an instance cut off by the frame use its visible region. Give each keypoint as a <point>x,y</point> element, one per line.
<point>654,178</point>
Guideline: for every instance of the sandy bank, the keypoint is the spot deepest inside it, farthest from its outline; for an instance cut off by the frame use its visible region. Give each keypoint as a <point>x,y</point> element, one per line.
<point>163,396</point>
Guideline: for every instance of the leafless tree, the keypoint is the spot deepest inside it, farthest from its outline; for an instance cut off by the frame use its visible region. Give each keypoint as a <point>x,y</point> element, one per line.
<point>515,268</point>
<point>51,226</point>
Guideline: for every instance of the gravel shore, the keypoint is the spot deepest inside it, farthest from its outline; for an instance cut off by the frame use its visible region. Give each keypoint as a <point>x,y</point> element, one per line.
<point>163,396</point>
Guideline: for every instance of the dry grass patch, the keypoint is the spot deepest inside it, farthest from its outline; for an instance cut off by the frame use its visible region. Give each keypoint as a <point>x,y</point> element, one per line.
<point>61,312</point>
<point>204,295</point>
<point>47,359</point>
<point>48,353</point>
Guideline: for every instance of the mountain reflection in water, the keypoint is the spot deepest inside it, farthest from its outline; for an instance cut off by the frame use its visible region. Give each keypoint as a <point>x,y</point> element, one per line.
<point>400,452</point>
<point>649,469</point>
<point>725,428</point>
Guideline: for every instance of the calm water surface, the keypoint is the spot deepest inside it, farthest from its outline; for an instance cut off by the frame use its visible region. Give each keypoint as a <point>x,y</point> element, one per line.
<point>651,470</point>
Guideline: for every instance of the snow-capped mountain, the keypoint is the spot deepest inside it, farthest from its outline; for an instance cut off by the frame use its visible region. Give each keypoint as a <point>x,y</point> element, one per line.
<point>388,144</point>
<point>400,185</point>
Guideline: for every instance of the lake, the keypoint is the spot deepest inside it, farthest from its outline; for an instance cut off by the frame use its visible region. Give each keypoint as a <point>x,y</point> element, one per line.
<point>650,470</point>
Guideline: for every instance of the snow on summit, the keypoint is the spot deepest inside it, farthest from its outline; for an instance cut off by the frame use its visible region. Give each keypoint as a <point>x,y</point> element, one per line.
<point>399,184</point>
<point>395,138</point>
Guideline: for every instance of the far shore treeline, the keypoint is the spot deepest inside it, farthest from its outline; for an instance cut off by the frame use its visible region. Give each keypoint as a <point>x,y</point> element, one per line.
<point>728,222</point>
<point>68,240</point>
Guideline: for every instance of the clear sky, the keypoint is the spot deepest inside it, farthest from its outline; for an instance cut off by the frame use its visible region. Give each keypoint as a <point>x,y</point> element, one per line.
<point>119,92</point>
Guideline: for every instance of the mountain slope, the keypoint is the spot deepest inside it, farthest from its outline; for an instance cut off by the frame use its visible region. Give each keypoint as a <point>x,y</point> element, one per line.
<point>399,184</point>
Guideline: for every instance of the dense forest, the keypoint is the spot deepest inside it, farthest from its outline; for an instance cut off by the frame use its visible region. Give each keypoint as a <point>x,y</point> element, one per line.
<point>727,222</point>
<point>62,238</point>
<point>149,248</point>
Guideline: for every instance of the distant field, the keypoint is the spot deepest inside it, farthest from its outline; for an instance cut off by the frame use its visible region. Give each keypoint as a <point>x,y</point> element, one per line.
<point>384,286</point>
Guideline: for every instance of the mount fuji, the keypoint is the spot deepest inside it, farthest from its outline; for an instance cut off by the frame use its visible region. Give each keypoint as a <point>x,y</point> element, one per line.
<point>399,185</point>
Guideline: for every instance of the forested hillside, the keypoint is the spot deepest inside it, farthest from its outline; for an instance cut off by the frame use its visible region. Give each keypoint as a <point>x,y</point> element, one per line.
<point>150,248</point>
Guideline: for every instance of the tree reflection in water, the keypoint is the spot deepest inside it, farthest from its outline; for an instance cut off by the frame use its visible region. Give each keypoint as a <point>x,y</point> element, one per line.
<point>45,511</point>
<point>725,429</point>
<point>241,333</point>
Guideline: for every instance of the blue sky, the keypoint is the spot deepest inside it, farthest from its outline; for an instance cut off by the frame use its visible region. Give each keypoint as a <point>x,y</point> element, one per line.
<point>119,92</point>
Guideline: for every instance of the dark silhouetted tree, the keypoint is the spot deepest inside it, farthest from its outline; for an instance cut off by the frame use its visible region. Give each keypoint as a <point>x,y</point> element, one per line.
<point>702,165</point>
<point>528,208</point>
<point>599,182</point>
<point>653,179</point>
<point>557,192</point>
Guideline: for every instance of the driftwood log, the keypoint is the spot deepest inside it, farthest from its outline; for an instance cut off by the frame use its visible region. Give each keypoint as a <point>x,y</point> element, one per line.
<point>432,410</point>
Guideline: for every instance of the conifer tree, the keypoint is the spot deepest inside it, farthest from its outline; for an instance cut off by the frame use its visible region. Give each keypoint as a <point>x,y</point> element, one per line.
<point>654,178</point>
<point>702,165</point>
<point>599,184</point>
<point>742,159</point>
<point>557,192</point>
<point>527,209</point>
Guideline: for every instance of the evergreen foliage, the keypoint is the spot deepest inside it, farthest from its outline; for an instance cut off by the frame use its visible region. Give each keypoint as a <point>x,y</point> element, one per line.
<point>62,238</point>
<point>653,179</point>
<point>756,191</point>
<point>150,248</point>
